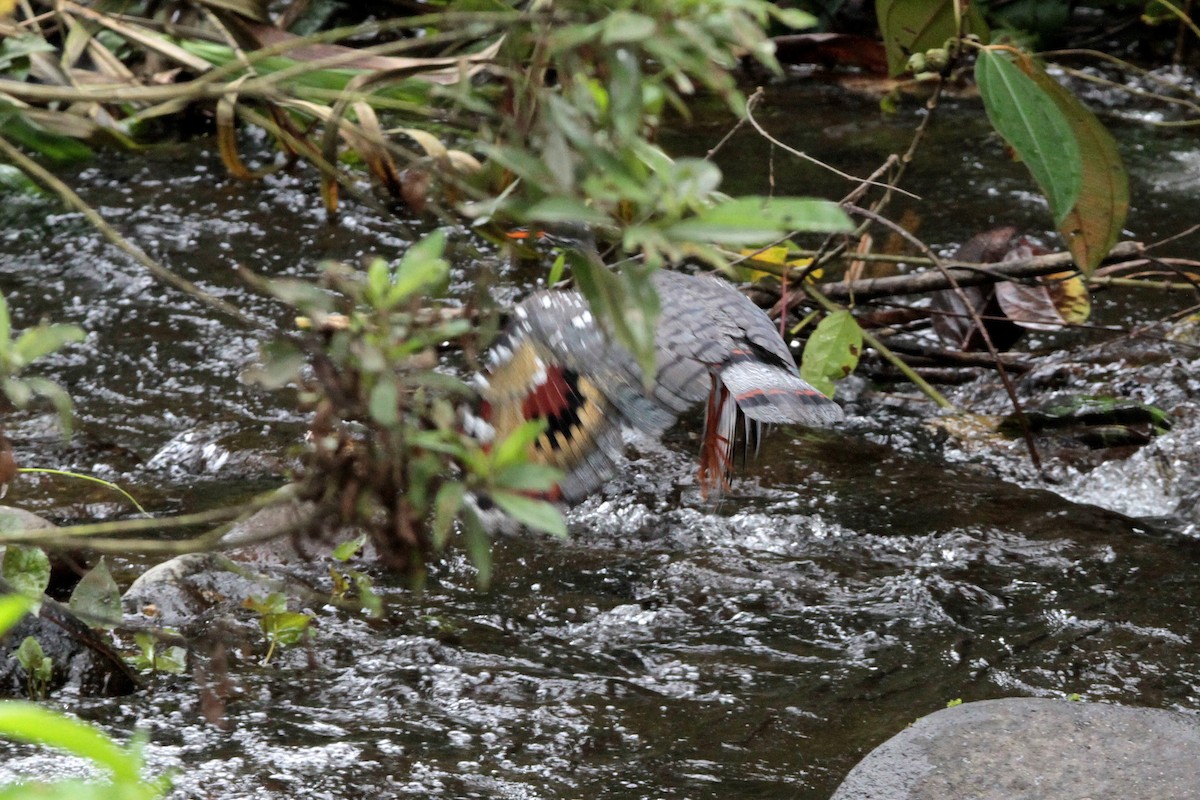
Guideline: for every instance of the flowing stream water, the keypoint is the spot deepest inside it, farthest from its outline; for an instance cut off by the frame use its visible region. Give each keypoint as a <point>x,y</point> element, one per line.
<point>854,579</point>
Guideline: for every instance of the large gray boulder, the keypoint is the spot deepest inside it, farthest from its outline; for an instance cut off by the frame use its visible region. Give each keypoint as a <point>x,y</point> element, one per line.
<point>1034,749</point>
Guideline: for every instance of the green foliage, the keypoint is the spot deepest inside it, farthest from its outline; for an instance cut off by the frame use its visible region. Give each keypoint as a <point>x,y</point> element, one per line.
<point>26,569</point>
<point>1031,122</point>
<point>582,149</point>
<point>19,127</point>
<point>385,412</point>
<point>38,668</point>
<point>32,723</point>
<point>29,722</point>
<point>917,26</point>
<point>18,353</point>
<point>152,656</point>
<point>832,351</point>
<point>1073,159</point>
<point>363,584</point>
<point>13,607</point>
<point>96,599</point>
<point>280,626</point>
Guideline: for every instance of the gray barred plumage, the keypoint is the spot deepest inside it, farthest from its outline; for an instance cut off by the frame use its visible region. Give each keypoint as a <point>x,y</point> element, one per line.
<point>713,345</point>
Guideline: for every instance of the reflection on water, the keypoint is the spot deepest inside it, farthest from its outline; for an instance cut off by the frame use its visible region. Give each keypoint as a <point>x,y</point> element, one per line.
<point>851,583</point>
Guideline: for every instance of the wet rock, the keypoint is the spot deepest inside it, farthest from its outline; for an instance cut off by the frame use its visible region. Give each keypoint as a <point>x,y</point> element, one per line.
<point>260,558</point>
<point>1033,749</point>
<point>1136,458</point>
<point>83,661</point>
<point>13,520</point>
<point>190,587</point>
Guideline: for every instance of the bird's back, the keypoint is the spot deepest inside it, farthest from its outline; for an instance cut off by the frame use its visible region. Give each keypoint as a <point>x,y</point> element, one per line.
<point>554,362</point>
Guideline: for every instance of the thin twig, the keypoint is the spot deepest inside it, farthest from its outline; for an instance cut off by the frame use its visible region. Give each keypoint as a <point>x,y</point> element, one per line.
<point>1018,410</point>
<point>816,161</point>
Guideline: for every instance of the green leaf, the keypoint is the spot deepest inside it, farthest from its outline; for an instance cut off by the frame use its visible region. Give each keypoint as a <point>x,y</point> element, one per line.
<point>514,449</point>
<point>384,402</point>
<point>5,325</point>
<point>57,396</point>
<point>528,477</point>
<point>96,599</point>
<point>18,392</point>
<point>536,514</point>
<point>914,26</point>
<point>832,351</point>
<point>446,507</point>
<point>33,660</point>
<point>348,549</point>
<point>626,93</point>
<point>1035,127</point>
<point>46,143</point>
<point>378,281</point>
<point>370,600</point>
<point>626,302</point>
<point>27,569</point>
<point>29,722</point>
<point>13,608</point>
<point>792,17</point>
<point>564,209</point>
<point>274,603</point>
<point>421,267</point>
<point>754,220</point>
<point>286,627</point>
<point>1093,223</point>
<point>479,546</point>
<point>153,656</point>
<point>45,339</point>
<point>623,26</point>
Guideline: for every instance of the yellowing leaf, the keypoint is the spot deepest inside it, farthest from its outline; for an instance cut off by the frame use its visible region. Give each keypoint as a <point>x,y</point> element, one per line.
<point>775,256</point>
<point>1069,294</point>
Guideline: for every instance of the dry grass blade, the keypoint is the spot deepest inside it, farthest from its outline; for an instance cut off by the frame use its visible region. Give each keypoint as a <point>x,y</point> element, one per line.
<point>372,146</point>
<point>144,37</point>
<point>227,140</point>
<point>445,70</point>
<point>250,9</point>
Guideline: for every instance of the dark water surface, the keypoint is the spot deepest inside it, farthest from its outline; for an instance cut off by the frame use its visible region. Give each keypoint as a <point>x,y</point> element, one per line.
<point>852,581</point>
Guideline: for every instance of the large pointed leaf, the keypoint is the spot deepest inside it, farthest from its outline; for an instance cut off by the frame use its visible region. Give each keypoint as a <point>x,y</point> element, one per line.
<point>832,351</point>
<point>754,220</point>
<point>1032,122</point>
<point>537,514</point>
<point>1093,223</point>
<point>96,599</point>
<point>914,26</point>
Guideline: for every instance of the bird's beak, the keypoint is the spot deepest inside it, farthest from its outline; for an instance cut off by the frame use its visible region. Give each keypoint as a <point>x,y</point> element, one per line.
<point>524,234</point>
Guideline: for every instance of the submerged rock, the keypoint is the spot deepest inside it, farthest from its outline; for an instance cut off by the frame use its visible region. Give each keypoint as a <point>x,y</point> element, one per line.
<point>1033,749</point>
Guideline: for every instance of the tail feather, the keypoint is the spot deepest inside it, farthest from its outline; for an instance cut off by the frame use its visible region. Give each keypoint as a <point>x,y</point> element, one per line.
<point>766,393</point>
<point>717,441</point>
